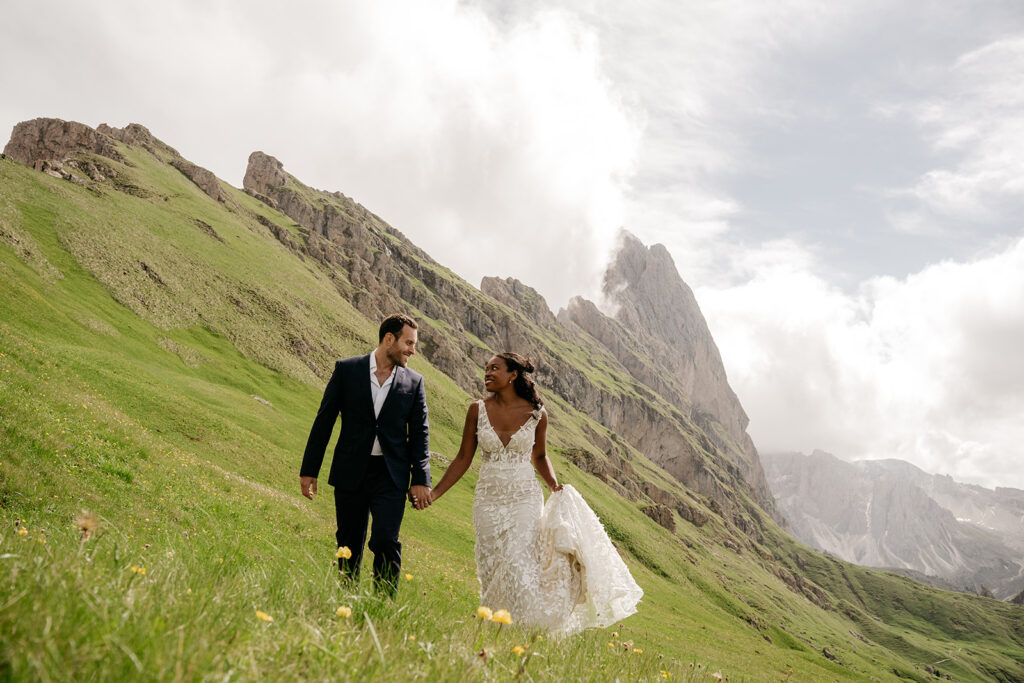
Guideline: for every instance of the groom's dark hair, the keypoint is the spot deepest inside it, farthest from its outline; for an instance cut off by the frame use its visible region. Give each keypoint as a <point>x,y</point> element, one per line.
<point>394,325</point>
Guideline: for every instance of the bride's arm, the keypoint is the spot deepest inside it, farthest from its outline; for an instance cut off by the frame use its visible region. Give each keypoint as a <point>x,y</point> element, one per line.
<point>541,461</point>
<point>464,459</point>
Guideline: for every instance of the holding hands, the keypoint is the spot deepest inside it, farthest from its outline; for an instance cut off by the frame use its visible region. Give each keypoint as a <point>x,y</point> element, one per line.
<point>421,497</point>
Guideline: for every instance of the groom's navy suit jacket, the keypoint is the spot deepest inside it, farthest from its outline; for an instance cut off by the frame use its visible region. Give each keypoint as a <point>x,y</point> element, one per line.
<point>401,427</point>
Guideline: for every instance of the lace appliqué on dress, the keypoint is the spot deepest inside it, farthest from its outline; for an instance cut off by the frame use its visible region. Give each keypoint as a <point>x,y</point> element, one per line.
<point>549,565</point>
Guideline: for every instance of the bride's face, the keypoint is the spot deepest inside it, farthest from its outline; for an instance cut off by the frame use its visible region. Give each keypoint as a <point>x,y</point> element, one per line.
<point>497,375</point>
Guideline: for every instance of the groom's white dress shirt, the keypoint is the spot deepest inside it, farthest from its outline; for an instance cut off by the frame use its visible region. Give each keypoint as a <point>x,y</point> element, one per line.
<point>380,394</point>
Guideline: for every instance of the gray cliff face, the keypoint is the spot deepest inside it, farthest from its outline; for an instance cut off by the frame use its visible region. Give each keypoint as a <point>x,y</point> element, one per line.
<point>654,301</point>
<point>660,336</point>
<point>383,272</point>
<point>1000,511</point>
<point>890,514</point>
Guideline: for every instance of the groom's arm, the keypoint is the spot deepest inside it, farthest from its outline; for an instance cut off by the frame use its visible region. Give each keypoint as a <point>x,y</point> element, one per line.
<point>419,439</point>
<point>320,433</point>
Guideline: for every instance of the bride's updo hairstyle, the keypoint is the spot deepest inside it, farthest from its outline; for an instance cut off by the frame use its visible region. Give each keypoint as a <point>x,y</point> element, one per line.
<point>523,385</point>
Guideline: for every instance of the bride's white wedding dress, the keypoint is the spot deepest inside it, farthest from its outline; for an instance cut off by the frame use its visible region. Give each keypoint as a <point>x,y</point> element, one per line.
<point>550,565</point>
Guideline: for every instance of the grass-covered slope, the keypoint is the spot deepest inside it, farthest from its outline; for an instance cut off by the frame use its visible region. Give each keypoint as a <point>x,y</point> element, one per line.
<point>149,375</point>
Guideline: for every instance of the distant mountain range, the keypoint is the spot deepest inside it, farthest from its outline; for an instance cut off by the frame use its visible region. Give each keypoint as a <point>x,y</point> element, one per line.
<point>892,515</point>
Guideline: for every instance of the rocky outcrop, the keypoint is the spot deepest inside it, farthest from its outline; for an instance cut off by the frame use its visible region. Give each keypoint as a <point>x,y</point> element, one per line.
<point>263,174</point>
<point>39,141</point>
<point>204,179</point>
<point>61,148</point>
<point>137,135</point>
<point>520,297</point>
<point>661,515</point>
<point>691,514</point>
<point>885,514</point>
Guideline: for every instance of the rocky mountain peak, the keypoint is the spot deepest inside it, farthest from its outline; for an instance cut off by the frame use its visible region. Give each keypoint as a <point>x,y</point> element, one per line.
<point>519,297</point>
<point>659,334</point>
<point>654,301</point>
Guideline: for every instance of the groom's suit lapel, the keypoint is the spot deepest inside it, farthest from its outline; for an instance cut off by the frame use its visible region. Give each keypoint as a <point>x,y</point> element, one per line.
<point>365,391</point>
<point>394,386</point>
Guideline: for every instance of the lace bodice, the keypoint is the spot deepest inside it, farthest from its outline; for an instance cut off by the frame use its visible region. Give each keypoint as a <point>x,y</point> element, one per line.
<point>519,447</point>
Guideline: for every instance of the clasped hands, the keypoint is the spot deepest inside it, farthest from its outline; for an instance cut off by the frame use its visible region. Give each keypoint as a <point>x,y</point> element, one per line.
<point>420,496</point>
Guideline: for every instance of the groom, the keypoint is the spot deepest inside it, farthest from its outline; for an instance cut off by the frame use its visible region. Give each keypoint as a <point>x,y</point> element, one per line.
<point>383,443</point>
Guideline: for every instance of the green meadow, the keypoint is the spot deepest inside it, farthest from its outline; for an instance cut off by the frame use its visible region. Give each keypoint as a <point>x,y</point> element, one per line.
<point>155,399</point>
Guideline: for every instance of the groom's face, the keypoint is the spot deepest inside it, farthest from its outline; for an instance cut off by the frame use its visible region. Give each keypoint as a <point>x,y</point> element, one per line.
<point>404,347</point>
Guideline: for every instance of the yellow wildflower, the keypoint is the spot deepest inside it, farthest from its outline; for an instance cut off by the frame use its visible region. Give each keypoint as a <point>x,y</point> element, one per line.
<point>664,674</point>
<point>408,577</point>
<point>137,570</point>
<point>638,650</point>
<point>344,611</point>
<point>518,650</point>
<point>412,637</point>
<point>263,616</point>
<point>23,531</point>
<point>611,644</point>
<point>343,553</point>
<point>484,612</point>
<point>502,617</point>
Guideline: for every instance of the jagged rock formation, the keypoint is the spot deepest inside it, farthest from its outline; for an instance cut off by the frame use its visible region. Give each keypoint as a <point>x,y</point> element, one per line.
<point>890,514</point>
<point>660,336</point>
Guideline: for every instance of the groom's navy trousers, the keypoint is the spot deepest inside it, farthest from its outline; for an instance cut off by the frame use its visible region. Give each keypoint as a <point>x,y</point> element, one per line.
<point>368,486</point>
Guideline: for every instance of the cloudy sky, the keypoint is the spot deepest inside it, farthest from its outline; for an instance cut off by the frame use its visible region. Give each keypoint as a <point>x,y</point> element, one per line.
<point>840,182</point>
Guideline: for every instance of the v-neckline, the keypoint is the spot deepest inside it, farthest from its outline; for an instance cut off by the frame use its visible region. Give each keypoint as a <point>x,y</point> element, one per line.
<point>487,418</point>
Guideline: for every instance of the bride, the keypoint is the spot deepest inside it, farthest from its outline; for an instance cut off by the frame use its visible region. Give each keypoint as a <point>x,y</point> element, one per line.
<point>550,565</point>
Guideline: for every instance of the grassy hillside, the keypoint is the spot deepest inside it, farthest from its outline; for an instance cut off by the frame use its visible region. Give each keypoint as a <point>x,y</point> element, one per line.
<point>148,376</point>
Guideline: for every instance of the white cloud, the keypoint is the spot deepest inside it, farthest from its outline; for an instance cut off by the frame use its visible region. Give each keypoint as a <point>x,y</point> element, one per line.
<point>976,130</point>
<point>926,368</point>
